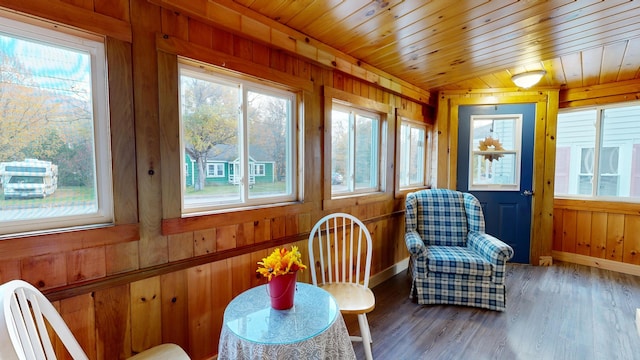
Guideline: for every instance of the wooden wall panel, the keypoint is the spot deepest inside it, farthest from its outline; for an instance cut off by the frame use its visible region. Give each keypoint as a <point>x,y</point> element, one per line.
<point>122,257</point>
<point>145,24</point>
<point>601,231</point>
<point>204,242</point>
<point>9,270</point>
<point>79,314</point>
<point>86,264</point>
<point>221,294</point>
<point>123,131</point>
<point>631,246</point>
<point>113,326</point>
<point>181,246</point>
<point>558,232</point>
<point>201,322</point>
<point>569,226</point>
<point>598,235</point>
<point>118,9</point>
<point>242,270</point>
<point>175,308</point>
<point>146,311</point>
<point>583,233</point>
<point>615,236</point>
<point>46,271</point>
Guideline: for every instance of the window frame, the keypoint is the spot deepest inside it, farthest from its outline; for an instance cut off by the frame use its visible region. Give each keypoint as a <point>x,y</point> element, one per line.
<point>353,114</point>
<point>217,166</point>
<point>385,148</point>
<point>599,146</point>
<point>248,84</point>
<point>412,120</point>
<point>257,166</point>
<point>60,36</point>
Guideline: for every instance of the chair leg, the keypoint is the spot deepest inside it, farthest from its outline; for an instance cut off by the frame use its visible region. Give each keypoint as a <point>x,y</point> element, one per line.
<point>366,335</point>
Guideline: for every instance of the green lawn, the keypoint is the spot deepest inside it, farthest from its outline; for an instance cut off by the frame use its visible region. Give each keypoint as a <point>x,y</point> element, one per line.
<point>277,187</point>
<point>69,195</point>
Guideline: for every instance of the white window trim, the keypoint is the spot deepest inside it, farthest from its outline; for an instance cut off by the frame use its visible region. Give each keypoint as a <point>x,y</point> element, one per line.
<point>94,45</point>
<point>624,175</point>
<point>206,72</point>
<point>380,145</point>
<point>426,128</point>
<point>216,165</point>
<point>517,151</point>
<point>255,171</point>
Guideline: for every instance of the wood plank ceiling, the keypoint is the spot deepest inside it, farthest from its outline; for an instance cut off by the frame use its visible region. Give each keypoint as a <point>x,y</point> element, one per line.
<point>475,44</point>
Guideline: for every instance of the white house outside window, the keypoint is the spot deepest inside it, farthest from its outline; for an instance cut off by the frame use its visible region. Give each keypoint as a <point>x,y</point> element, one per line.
<point>54,144</point>
<point>250,127</point>
<point>355,150</point>
<point>598,152</point>
<point>258,169</point>
<point>215,170</point>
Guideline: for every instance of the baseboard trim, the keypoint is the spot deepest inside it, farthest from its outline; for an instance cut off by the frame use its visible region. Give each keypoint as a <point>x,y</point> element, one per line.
<point>388,273</point>
<point>606,264</point>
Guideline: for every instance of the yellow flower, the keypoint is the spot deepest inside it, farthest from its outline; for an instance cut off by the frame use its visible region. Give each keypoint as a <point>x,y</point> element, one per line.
<point>280,262</point>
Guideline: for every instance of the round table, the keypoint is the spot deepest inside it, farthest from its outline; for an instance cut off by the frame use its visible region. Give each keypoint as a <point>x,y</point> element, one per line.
<point>312,329</point>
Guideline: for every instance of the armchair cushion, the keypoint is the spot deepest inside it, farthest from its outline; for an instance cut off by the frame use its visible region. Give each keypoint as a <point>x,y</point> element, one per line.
<point>457,260</point>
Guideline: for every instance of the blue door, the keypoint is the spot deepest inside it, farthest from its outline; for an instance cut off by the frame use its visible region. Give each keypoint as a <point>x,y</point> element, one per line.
<point>495,163</point>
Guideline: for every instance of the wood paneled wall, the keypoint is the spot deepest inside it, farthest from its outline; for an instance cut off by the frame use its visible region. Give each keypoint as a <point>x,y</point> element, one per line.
<point>155,277</point>
<point>598,233</point>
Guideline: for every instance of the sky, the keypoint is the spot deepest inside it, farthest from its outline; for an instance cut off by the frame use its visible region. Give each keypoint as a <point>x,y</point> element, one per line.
<point>51,67</point>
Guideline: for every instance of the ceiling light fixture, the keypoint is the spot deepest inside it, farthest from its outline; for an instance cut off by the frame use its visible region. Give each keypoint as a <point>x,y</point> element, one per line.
<point>528,79</point>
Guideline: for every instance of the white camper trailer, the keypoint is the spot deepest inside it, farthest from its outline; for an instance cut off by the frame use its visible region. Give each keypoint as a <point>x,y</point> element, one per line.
<point>30,178</point>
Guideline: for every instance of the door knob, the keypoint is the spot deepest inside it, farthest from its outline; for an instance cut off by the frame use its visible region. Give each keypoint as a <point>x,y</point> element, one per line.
<point>527,193</point>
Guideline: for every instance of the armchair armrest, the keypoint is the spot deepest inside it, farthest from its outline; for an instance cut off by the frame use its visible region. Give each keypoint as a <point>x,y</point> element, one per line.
<point>491,248</point>
<point>414,242</point>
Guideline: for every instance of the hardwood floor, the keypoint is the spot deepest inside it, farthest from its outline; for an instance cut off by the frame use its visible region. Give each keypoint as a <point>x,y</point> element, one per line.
<point>565,311</point>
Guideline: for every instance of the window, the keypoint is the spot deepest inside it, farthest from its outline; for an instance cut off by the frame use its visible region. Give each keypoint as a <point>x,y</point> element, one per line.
<point>355,150</point>
<point>495,152</point>
<point>215,170</point>
<point>413,154</point>
<point>258,169</point>
<point>235,121</point>
<point>54,146</point>
<point>596,152</point>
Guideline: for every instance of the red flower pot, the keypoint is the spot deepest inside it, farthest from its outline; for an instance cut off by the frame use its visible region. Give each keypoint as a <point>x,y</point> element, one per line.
<point>281,290</point>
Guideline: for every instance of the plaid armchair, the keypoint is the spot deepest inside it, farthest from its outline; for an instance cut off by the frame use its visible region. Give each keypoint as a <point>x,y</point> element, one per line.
<point>453,261</point>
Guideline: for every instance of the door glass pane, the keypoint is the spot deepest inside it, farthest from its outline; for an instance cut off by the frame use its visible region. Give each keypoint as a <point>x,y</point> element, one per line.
<point>495,152</point>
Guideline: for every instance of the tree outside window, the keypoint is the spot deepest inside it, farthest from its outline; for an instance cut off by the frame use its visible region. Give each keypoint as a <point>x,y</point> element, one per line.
<point>243,126</point>
<point>355,154</point>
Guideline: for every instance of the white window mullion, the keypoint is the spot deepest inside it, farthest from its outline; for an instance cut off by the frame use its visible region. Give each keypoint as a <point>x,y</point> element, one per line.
<point>244,145</point>
<point>596,154</point>
<point>352,151</point>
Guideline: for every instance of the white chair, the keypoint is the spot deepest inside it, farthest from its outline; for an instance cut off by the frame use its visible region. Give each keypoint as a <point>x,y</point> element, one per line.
<point>342,244</point>
<point>24,315</point>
